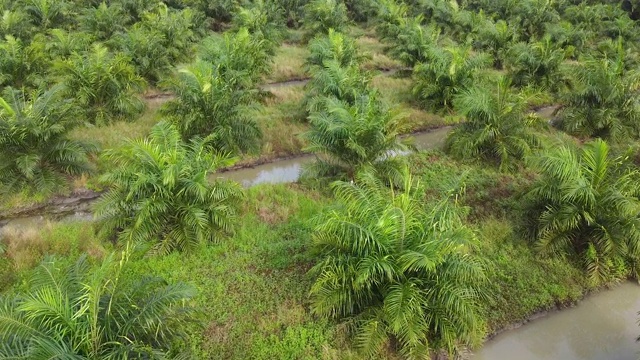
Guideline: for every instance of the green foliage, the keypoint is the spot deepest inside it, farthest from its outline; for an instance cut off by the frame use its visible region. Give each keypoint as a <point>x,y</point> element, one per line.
<point>586,205</point>
<point>211,102</point>
<point>412,43</point>
<point>179,30</point>
<point>536,63</point>
<point>160,191</point>
<point>61,44</point>
<point>495,38</point>
<point>35,153</point>
<point>350,138</point>
<point>396,270</point>
<point>334,46</point>
<point>104,21</point>
<point>161,39</point>
<point>602,100</point>
<point>239,57</point>
<point>46,14</point>
<point>495,129</point>
<point>102,85</point>
<point>82,312</point>
<point>322,15</point>
<point>264,19</point>
<point>449,71</point>
<point>21,66</point>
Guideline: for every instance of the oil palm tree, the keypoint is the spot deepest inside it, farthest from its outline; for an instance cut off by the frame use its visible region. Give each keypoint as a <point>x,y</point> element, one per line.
<point>209,103</point>
<point>104,21</point>
<point>80,311</point>
<point>160,192</point>
<point>586,205</point>
<point>239,56</point>
<point>449,72</point>
<point>104,86</point>
<point>397,271</point>
<point>35,153</point>
<point>263,20</point>
<point>145,48</point>
<point>22,65</point>
<point>349,138</point>
<point>332,81</point>
<point>496,128</point>
<point>495,38</point>
<point>602,100</point>
<point>322,15</point>
<point>413,42</point>
<point>334,46</point>
<point>536,63</point>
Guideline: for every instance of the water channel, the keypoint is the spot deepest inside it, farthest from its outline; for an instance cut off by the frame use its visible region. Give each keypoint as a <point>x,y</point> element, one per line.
<point>603,326</point>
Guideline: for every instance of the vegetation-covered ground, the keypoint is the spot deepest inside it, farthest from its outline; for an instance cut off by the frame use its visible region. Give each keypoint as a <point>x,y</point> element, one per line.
<point>404,257</point>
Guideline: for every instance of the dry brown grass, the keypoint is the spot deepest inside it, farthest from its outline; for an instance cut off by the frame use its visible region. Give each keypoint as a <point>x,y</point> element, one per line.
<point>374,49</point>
<point>26,247</point>
<point>288,64</point>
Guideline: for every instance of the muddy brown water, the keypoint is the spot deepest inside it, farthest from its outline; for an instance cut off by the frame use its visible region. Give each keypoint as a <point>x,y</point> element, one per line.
<point>603,326</point>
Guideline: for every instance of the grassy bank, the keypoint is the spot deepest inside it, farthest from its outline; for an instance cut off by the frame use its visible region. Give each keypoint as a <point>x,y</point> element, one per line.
<point>253,287</point>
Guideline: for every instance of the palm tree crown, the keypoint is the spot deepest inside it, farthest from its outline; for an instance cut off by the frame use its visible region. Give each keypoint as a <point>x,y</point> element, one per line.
<point>348,138</point>
<point>587,204</point>
<point>396,270</point>
<point>35,152</point>
<point>160,192</point>
<point>78,312</point>
<point>496,128</point>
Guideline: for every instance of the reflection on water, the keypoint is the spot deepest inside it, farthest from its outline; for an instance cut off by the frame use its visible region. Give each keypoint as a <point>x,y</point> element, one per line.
<point>602,327</point>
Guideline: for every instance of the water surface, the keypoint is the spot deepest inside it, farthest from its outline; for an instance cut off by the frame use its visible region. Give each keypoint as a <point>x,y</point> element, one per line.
<point>601,327</point>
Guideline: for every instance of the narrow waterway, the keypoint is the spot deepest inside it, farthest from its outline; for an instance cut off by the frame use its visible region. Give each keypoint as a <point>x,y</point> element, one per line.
<point>601,327</point>
<point>289,170</point>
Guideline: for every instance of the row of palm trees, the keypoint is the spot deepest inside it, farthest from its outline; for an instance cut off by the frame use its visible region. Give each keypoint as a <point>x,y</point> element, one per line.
<point>599,99</point>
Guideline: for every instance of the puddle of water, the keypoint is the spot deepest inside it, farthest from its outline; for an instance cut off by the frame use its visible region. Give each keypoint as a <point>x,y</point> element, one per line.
<point>601,327</point>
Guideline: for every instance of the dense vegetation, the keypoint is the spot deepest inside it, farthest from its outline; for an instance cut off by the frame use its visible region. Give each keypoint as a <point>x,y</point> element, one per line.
<point>379,250</point>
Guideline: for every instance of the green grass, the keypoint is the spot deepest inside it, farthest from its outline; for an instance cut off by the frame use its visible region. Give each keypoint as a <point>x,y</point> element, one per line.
<point>253,287</point>
<point>114,134</point>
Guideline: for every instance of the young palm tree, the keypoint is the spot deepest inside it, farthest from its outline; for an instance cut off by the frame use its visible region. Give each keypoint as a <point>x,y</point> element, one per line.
<point>397,271</point>
<point>586,205</point>
<point>602,100</point>
<point>82,312</point>
<point>349,138</point>
<point>46,14</point>
<point>146,50</point>
<point>537,63</point>
<point>334,46</point>
<point>211,103</point>
<point>160,192</point>
<point>413,42</point>
<point>22,66</point>
<point>495,38</point>
<point>104,21</point>
<point>333,81</point>
<point>495,129</point>
<point>102,85</point>
<point>391,15</point>
<point>263,20</point>
<point>177,29</point>
<point>322,15</point>
<point>35,153</point>
<point>449,72</point>
<point>240,57</point>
